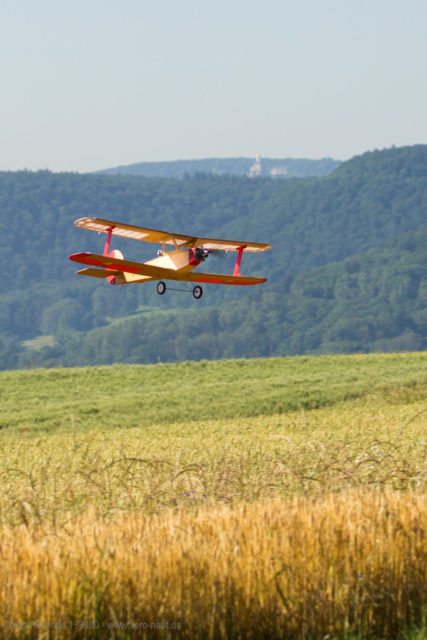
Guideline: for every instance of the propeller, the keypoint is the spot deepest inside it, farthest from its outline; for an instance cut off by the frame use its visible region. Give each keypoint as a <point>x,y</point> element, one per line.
<point>201,253</point>
<point>218,254</point>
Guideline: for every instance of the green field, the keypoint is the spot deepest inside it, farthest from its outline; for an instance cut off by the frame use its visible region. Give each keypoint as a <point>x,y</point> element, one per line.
<point>125,488</point>
<point>46,400</point>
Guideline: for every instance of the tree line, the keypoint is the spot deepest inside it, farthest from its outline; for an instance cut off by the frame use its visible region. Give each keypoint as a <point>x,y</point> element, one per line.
<point>346,237</point>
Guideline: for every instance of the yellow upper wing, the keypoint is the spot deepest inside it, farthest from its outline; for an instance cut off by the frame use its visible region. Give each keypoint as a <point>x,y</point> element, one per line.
<point>175,239</point>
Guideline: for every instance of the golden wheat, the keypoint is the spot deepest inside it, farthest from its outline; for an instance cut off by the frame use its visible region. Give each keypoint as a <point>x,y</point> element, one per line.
<point>354,562</point>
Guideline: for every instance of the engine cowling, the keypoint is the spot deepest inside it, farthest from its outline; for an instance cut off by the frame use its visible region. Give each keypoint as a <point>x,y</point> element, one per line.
<point>197,255</point>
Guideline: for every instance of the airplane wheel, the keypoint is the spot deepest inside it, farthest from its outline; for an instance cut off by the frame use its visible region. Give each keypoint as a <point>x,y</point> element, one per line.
<point>161,288</point>
<point>197,292</point>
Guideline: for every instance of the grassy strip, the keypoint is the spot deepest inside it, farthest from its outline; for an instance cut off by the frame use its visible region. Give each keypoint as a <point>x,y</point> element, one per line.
<point>129,396</point>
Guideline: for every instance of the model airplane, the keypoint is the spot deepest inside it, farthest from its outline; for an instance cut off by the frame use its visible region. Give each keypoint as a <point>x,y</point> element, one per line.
<point>178,264</point>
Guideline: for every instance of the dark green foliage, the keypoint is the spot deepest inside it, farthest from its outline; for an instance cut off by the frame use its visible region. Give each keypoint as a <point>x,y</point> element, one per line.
<point>347,272</point>
<point>374,302</point>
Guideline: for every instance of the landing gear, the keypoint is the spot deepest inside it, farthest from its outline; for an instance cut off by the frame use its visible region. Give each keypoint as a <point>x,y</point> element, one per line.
<point>161,288</point>
<point>197,291</point>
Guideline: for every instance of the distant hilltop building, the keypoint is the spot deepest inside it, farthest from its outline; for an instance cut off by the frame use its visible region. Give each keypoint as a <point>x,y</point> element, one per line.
<point>276,171</point>
<point>255,169</point>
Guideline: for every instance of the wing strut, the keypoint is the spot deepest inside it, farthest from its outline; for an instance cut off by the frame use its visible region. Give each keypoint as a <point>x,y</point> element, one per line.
<point>238,260</point>
<point>108,240</point>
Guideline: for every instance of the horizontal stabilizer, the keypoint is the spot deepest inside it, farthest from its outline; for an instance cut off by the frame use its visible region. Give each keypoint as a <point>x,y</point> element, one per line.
<point>96,273</point>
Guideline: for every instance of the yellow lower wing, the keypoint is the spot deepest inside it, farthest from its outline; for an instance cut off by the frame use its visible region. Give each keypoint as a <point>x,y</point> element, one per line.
<point>219,278</point>
<point>108,266</point>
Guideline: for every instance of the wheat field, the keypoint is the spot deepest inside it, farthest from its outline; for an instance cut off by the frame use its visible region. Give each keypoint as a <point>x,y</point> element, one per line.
<point>279,568</point>
<point>308,522</point>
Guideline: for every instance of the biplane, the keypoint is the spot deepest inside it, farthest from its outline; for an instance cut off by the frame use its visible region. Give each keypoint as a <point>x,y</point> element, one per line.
<point>176,264</point>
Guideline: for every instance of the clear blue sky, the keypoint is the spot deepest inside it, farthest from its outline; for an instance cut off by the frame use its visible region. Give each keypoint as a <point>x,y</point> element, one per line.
<point>91,84</point>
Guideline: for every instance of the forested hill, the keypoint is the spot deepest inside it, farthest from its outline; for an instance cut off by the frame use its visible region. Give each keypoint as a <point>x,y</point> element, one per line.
<point>371,210</point>
<point>401,162</point>
<point>263,167</point>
